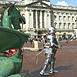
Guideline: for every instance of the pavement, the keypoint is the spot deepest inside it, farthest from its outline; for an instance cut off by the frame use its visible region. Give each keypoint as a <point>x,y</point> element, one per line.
<point>66,61</point>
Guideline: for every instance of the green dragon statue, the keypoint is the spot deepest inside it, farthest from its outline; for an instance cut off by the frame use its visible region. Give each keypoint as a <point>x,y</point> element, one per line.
<point>10,38</point>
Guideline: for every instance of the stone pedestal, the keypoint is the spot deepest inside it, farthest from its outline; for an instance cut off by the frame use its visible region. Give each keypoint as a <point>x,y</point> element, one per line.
<point>36,44</point>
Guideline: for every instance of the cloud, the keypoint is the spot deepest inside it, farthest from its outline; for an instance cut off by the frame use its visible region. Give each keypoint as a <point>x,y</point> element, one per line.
<point>63,3</point>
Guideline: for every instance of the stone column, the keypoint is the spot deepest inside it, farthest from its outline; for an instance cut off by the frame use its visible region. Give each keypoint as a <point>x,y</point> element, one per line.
<point>27,20</point>
<point>45,18</point>
<point>31,24</point>
<point>49,19</point>
<point>41,19</point>
<point>36,20</point>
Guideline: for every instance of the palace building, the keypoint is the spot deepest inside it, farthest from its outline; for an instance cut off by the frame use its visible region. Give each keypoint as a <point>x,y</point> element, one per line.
<point>40,15</point>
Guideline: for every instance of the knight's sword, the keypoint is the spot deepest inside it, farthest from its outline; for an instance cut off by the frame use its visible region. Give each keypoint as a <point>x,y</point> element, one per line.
<point>36,55</point>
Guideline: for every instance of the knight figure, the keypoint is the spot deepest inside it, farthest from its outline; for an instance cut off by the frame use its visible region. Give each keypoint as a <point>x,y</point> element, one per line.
<point>50,48</point>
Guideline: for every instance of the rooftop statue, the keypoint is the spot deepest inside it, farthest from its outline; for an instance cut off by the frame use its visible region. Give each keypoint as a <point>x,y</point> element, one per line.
<point>12,40</point>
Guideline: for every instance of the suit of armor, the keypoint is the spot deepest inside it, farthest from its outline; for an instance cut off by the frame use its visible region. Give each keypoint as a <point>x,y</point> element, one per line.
<point>50,48</point>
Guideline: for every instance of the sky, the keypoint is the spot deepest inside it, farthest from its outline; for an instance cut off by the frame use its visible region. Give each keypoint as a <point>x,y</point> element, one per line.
<point>58,2</point>
<point>8,0</point>
<point>64,2</point>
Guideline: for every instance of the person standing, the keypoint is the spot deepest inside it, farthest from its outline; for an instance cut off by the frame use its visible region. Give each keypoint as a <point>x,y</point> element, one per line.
<point>50,48</point>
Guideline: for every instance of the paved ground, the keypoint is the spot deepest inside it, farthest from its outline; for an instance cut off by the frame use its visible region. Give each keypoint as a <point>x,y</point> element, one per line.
<point>66,62</point>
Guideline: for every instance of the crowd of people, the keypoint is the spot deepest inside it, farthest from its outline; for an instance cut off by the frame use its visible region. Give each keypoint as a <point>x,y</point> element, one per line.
<point>42,39</point>
<point>64,37</point>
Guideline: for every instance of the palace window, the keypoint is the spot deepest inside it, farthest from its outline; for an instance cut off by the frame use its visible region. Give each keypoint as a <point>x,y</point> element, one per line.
<point>72,25</point>
<point>60,18</point>
<point>55,24</point>
<point>66,13</point>
<point>64,18</point>
<point>29,14</point>
<point>47,15</point>
<point>68,18</point>
<point>58,12</point>
<point>70,13</point>
<point>73,18</point>
<point>54,17</point>
<point>64,25</point>
<point>60,25</point>
<point>68,25</point>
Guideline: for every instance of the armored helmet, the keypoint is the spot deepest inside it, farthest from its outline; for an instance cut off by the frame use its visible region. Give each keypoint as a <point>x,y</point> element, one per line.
<point>52,29</point>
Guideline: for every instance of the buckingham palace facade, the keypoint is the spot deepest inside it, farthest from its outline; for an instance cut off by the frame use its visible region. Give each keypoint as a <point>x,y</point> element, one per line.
<point>40,15</point>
